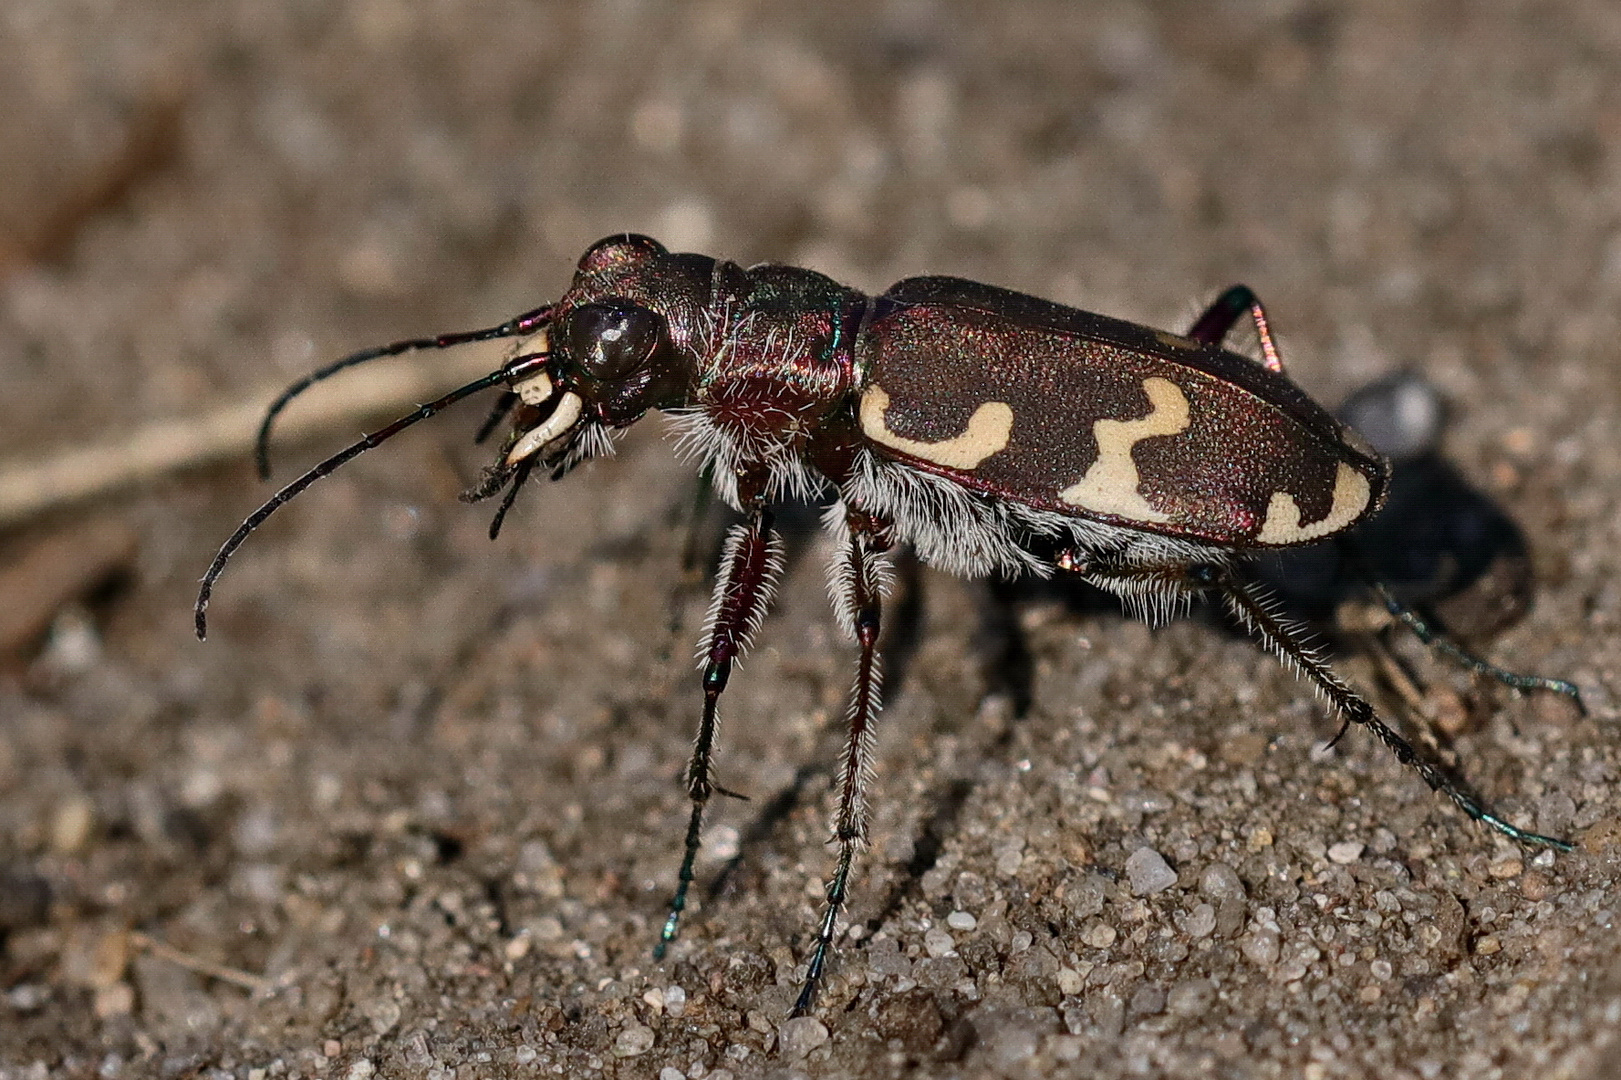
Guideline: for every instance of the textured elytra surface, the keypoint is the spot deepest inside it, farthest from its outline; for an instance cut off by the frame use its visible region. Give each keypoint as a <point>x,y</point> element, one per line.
<point>426,786</point>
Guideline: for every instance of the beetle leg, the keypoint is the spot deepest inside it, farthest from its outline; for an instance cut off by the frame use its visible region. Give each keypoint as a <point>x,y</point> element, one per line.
<point>748,575</point>
<point>858,588</point>
<point>1281,638</point>
<point>1436,640</point>
<point>1260,617</point>
<point>1212,327</point>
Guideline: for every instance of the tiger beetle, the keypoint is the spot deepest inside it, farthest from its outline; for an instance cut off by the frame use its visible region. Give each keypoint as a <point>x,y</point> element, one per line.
<point>993,432</point>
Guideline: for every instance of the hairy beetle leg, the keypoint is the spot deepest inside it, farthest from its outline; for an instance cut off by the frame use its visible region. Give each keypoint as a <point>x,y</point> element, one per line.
<point>748,573</point>
<point>859,587</point>
<point>1261,619</point>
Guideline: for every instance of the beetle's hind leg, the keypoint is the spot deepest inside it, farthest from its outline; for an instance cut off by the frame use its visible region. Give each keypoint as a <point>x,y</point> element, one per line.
<point>1212,327</point>
<point>750,564</point>
<point>1434,639</point>
<point>1261,618</point>
<point>857,587</point>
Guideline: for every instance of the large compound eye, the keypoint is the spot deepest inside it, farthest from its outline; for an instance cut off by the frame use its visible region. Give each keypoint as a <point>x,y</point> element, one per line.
<point>609,341</point>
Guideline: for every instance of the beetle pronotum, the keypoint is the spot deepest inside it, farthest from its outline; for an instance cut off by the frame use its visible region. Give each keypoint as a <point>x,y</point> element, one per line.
<point>993,432</point>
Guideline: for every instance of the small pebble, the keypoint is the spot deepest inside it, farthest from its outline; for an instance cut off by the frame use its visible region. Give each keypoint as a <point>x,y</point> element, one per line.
<point>1148,1001</point>
<point>1221,882</point>
<point>72,824</point>
<point>331,1048</point>
<point>937,943</point>
<point>675,1000</point>
<point>115,1000</point>
<point>1503,869</point>
<point>801,1035</point>
<point>525,1054</point>
<point>1148,872</point>
<point>634,1041</point>
<point>1201,921</point>
<point>1190,998</point>
<point>1262,947</point>
<point>1345,852</point>
<point>360,1070</point>
<point>1099,935</point>
<point>961,920</point>
<point>384,1014</point>
<point>668,1073</point>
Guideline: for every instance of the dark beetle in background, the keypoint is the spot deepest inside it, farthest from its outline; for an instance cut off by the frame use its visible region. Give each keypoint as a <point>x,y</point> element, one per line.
<point>992,432</point>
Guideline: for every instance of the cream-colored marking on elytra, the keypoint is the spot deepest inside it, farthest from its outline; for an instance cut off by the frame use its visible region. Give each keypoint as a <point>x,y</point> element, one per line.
<point>535,391</point>
<point>987,433</point>
<point>561,419</point>
<point>1110,485</point>
<point>1282,524</point>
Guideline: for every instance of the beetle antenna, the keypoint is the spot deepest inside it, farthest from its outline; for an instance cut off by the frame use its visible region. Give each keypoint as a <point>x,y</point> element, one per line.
<point>526,323</point>
<point>287,493</point>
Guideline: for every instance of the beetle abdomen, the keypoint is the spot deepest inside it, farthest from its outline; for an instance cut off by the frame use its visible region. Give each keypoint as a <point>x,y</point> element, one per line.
<point>1105,420</point>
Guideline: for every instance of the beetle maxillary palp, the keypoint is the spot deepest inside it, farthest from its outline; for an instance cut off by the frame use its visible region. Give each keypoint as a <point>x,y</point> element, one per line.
<point>535,391</point>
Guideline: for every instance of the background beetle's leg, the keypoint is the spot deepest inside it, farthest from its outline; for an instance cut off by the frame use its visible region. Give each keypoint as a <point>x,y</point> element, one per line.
<point>748,574</point>
<point>1438,642</point>
<point>1211,328</point>
<point>857,597</point>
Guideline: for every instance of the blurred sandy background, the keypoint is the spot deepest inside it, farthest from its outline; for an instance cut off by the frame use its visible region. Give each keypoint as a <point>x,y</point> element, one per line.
<point>413,809</point>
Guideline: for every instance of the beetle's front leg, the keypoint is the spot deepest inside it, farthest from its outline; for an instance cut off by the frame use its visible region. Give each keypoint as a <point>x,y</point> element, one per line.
<point>750,564</point>
<point>857,586</point>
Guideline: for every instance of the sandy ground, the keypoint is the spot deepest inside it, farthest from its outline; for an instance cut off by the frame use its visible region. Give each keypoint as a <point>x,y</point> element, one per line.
<point>413,810</point>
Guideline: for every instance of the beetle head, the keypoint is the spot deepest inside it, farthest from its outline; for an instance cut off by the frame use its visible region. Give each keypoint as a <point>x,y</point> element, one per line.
<point>613,355</point>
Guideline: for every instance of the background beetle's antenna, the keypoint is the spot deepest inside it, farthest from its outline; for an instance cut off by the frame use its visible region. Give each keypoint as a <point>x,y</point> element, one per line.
<point>257,518</point>
<point>527,323</point>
